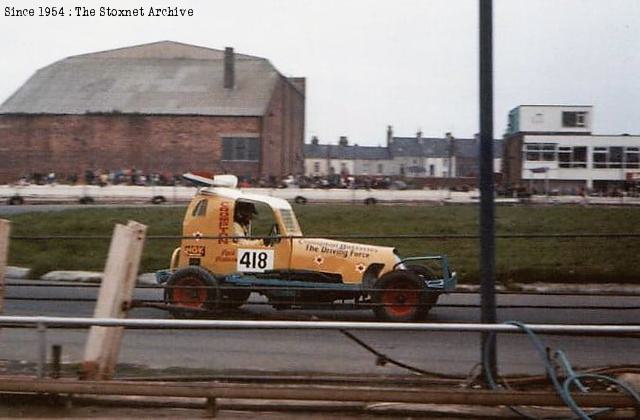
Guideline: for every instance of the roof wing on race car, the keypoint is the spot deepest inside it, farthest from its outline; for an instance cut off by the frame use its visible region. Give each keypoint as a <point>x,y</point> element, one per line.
<point>229,181</point>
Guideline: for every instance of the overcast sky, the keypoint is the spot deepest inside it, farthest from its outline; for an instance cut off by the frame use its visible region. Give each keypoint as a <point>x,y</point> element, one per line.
<point>412,64</point>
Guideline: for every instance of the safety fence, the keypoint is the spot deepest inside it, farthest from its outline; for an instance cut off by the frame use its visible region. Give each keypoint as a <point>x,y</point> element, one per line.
<point>577,258</point>
<point>334,296</point>
<point>591,389</point>
<point>107,325</point>
<point>586,257</point>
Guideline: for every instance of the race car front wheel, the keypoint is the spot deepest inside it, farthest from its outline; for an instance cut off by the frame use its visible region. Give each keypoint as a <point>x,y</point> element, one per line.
<point>400,296</point>
<point>431,297</point>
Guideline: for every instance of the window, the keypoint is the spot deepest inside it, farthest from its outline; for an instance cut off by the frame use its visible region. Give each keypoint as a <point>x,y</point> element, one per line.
<point>380,168</point>
<point>365,168</point>
<point>540,151</point>
<point>532,151</point>
<point>290,222</point>
<point>241,149</point>
<point>263,221</point>
<point>574,119</point>
<point>432,170</point>
<point>572,157</point>
<point>316,167</point>
<point>600,157</point>
<point>580,157</point>
<point>564,157</point>
<point>200,209</point>
<point>548,151</point>
<point>616,157</point>
<point>632,157</point>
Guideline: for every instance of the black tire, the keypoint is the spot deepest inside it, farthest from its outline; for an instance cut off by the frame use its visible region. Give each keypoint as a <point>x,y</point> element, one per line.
<point>193,289</point>
<point>300,200</point>
<point>158,199</point>
<point>370,201</point>
<point>400,296</point>
<point>431,297</point>
<point>16,200</point>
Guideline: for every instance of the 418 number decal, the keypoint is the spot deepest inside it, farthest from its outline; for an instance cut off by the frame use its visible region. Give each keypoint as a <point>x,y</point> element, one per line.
<point>254,260</point>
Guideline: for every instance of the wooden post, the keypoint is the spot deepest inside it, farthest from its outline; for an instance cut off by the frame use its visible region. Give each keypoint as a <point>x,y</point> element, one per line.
<point>114,300</point>
<point>4,253</point>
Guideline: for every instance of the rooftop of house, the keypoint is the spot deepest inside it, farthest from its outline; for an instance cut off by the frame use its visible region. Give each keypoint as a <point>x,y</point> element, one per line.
<point>432,147</point>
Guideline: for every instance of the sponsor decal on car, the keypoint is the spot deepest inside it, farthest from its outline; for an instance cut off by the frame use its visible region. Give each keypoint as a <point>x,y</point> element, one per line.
<point>194,250</point>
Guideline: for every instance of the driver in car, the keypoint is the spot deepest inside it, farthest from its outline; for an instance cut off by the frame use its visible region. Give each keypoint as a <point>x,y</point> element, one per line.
<point>242,216</point>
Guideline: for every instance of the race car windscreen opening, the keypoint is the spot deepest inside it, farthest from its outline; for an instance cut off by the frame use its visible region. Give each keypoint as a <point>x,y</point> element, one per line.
<point>263,222</point>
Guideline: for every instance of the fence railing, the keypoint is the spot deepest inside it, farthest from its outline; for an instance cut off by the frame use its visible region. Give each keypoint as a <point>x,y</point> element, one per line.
<point>42,323</point>
<point>314,325</point>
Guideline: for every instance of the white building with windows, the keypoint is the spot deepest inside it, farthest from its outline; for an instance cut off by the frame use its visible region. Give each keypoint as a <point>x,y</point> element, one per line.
<point>410,157</point>
<point>344,159</point>
<point>552,148</point>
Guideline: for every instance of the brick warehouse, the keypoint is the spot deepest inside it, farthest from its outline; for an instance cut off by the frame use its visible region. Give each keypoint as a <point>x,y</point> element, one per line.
<point>164,107</point>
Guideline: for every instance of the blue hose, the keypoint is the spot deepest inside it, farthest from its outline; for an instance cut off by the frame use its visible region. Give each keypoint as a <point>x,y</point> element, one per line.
<point>572,378</point>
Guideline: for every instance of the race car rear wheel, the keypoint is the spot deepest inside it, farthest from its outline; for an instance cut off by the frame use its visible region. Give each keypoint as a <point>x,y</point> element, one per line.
<point>400,296</point>
<point>191,290</point>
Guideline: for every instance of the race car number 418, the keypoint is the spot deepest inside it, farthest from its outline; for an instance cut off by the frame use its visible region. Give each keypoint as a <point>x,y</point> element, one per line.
<point>254,260</point>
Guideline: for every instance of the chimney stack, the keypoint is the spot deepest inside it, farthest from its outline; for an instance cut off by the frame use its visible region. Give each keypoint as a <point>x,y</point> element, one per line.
<point>343,141</point>
<point>389,135</point>
<point>229,68</point>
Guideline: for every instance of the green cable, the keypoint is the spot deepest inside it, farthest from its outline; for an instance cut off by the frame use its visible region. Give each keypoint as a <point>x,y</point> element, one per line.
<point>564,389</point>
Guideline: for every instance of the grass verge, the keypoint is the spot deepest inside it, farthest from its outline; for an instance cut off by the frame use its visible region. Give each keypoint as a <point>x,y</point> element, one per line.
<point>592,260</point>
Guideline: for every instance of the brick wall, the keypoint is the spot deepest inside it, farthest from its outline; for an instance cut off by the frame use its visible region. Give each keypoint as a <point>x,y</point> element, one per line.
<point>283,130</point>
<point>71,144</point>
<point>512,160</point>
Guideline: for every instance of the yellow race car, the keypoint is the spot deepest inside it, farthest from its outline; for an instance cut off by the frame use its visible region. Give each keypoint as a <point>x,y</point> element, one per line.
<point>225,255</point>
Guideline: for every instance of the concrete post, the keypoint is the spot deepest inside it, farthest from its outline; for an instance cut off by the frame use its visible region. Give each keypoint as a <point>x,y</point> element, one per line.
<point>114,298</point>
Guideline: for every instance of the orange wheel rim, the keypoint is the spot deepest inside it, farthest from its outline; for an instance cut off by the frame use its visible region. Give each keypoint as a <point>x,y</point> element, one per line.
<point>401,300</point>
<point>189,292</point>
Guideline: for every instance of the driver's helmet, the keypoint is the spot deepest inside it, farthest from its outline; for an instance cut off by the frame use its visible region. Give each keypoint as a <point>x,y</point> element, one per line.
<point>245,208</point>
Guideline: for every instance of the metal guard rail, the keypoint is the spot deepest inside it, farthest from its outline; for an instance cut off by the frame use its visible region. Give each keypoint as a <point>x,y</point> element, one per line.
<point>314,325</point>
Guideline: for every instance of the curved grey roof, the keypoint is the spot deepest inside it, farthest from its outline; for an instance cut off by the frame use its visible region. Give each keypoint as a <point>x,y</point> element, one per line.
<point>160,78</point>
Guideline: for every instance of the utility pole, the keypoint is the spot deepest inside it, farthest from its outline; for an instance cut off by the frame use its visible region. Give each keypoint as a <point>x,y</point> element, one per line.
<point>487,223</point>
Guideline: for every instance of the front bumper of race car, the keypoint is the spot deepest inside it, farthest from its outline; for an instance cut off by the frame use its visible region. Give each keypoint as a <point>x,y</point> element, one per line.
<point>445,280</point>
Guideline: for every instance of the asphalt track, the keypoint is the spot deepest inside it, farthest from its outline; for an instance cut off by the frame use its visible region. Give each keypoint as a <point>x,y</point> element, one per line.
<point>327,351</point>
